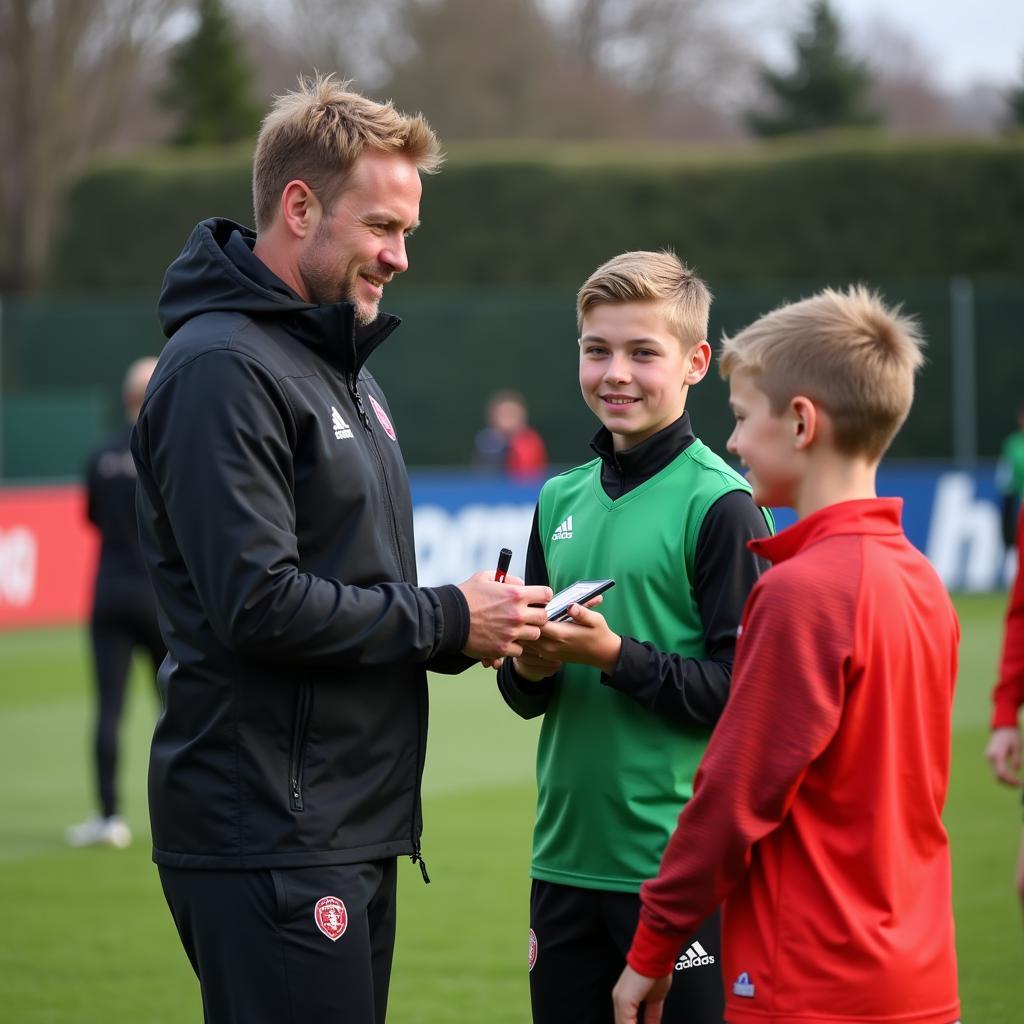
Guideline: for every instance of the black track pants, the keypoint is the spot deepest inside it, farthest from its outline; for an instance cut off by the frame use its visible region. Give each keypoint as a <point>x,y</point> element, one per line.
<point>116,629</point>
<point>296,945</point>
<point>578,948</point>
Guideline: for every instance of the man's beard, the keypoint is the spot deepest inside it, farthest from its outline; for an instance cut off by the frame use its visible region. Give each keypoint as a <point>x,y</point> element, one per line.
<point>364,314</point>
<point>325,289</point>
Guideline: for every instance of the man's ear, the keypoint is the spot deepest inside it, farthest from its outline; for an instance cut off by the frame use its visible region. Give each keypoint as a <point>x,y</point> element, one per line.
<point>805,420</point>
<point>300,209</point>
<point>700,360</point>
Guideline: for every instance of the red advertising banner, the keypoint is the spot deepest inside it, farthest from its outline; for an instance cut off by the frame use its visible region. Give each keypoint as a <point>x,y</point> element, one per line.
<point>47,556</point>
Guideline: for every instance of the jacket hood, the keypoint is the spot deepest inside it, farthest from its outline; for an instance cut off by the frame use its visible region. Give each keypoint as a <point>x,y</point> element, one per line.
<point>217,272</point>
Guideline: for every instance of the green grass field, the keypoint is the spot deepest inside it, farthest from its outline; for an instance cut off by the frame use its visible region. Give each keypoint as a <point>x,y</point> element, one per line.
<point>86,936</point>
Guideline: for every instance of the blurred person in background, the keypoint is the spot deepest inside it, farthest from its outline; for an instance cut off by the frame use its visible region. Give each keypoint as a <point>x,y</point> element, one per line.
<point>508,444</point>
<point>1010,479</point>
<point>124,616</point>
<point>276,523</point>
<point>1004,745</point>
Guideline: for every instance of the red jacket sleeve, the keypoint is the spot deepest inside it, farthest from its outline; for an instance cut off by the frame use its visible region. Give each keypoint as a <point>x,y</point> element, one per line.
<point>1008,695</point>
<point>785,706</point>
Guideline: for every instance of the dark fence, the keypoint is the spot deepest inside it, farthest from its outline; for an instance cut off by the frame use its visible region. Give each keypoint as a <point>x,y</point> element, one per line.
<point>63,358</point>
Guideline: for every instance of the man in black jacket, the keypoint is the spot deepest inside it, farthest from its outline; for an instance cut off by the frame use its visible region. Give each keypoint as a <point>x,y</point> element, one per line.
<point>276,523</point>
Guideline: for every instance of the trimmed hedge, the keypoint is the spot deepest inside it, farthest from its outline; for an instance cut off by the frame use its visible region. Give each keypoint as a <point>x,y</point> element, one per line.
<point>510,232</point>
<point>837,210</point>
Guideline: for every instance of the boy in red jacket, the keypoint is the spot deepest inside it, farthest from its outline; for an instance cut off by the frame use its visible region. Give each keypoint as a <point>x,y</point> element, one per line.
<point>1004,745</point>
<point>816,816</point>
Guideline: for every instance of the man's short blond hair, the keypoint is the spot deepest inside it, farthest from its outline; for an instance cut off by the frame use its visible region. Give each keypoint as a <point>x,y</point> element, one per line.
<point>317,132</point>
<point>651,277</point>
<point>845,350</point>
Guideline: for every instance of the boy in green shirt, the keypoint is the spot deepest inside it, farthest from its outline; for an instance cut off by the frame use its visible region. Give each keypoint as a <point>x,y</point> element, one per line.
<point>629,695</point>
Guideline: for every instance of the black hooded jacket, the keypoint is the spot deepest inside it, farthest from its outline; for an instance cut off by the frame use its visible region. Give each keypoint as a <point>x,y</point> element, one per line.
<point>276,525</point>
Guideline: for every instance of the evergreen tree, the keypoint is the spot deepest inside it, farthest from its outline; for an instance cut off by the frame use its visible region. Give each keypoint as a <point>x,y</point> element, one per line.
<point>1015,99</point>
<point>826,89</point>
<point>209,82</point>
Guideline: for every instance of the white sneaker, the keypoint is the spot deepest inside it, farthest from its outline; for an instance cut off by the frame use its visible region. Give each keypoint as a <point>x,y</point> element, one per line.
<point>99,831</point>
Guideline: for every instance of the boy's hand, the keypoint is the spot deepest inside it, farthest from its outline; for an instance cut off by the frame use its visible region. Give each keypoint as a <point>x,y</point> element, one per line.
<point>633,991</point>
<point>1003,754</point>
<point>585,640</point>
<point>533,668</point>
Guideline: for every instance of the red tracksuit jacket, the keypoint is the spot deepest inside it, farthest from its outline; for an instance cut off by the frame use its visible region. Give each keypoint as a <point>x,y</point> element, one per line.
<point>1008,694</point>
<point>817,810</point>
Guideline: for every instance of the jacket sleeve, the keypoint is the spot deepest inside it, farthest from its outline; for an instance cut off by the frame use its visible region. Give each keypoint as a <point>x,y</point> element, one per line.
<point>693,691</point>
<point>451,664</point>
<point>1008,695</point>
<point>756,758</point>
<point>526,698</point>
<point>213,447</point>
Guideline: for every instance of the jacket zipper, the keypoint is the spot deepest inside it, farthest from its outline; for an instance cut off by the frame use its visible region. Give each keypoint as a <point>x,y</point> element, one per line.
<point>303,707</point>
<point>417,858</point>
<point>353,390</point>
<point>353,387</point>
<point>417,854</point>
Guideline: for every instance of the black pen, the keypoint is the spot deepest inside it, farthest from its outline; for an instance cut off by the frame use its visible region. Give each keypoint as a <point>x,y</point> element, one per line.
<point>504,558</point>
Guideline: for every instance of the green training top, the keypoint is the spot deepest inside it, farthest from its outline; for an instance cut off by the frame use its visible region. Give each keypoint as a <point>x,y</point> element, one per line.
<point>613,776</point>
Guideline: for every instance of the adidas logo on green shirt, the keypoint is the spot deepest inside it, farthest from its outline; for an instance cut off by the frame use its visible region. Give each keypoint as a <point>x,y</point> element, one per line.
<point>564,531</point>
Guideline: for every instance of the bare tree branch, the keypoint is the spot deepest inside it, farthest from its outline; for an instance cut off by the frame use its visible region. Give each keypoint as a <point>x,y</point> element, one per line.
<point>351,37</point>
<point>663,48</point>
<point>70,65</point>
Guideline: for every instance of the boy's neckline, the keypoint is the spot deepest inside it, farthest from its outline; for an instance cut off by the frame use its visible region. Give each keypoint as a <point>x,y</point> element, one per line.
<point>649,455</point>
<point>877,516</point>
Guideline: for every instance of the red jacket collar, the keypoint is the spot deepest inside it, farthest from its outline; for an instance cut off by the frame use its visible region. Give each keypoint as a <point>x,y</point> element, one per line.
<point>878,516</point>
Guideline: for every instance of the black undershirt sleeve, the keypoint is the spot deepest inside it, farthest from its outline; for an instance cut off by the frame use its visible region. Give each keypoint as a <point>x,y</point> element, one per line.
<point>528,699</point>
<point>693,691</point>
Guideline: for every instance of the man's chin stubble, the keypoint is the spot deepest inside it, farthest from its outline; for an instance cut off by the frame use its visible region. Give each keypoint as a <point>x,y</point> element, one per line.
<point>364,315</point>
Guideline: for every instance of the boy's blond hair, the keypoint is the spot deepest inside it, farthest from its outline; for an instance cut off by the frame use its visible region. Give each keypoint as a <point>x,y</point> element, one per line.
<point>651,277</point>
<point>317,132</point>
<point>846,351</point>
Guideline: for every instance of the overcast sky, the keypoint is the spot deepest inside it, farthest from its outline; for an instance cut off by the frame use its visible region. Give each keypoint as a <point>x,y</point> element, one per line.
<point>971,40</point>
